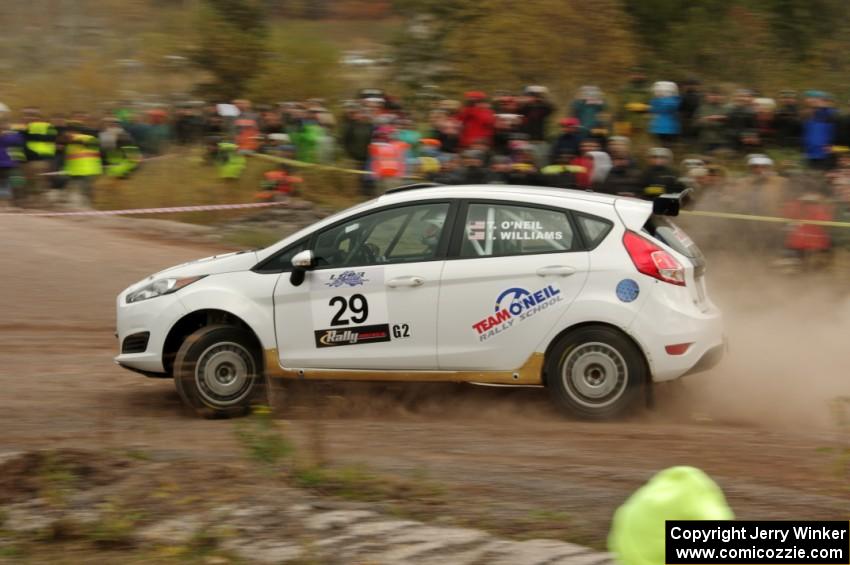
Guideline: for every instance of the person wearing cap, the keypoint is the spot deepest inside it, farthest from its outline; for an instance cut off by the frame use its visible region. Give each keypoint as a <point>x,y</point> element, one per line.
<point>357,130</point>
<point>761,192</point>
<point>711,119</point>
<point>447,132</point>
<point>659,177</point>
<point>786,120</point>
<point>589,103</point>
<point>429,158</point>
<point>691,100</point>
<point>632,105</point>
<point>585,161</point>
<point>561,173</point>
<point>476,119</point>
<point>568,140</point>
<point>535,109</point>
<point>624,179</point>
<point>473,170</point>
<point>11,144</point>
<point>505,129</point>
<point>820,124</point>
<point>840,183</point>
<point>387,157</point>
<point>637,535</point>
<point>740,118</point>
<point>501,170</point>
<point>664,107</point>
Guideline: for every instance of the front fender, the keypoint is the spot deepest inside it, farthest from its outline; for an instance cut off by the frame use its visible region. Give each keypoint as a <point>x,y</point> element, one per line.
<point>245,294</point>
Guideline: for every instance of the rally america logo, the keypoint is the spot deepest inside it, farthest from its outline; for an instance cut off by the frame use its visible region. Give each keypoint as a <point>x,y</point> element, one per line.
<point>516,305</point>
<point>347,278</point>
<point>353,336</point>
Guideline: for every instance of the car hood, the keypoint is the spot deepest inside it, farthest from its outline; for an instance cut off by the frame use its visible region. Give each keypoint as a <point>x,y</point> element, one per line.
<point>213,265</point>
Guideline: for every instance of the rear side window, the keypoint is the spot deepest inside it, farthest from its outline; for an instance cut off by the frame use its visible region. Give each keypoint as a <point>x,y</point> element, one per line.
<point>672,235</point>
<point>593,228</point>
<point>497,230</point>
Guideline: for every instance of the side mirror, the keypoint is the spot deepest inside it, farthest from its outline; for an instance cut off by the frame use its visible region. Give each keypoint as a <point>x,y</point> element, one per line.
<point>301,263</point>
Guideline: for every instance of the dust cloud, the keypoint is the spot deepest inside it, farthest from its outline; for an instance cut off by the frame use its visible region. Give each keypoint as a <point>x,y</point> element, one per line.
<point>788,363</point>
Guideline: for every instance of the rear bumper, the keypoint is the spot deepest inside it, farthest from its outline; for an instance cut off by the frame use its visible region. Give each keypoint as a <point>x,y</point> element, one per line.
<point>709,360</point>
<point>670,317</point>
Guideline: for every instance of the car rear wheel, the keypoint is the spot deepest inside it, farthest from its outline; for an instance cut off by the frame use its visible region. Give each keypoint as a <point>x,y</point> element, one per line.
<point>595,372</point>
<point>218,371</point>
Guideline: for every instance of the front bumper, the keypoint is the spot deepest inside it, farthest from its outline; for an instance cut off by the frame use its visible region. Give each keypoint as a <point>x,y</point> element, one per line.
<point>157,316</point>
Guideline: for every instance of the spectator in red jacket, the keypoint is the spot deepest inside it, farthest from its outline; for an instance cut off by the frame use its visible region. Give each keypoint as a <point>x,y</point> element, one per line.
<point>477,119</point>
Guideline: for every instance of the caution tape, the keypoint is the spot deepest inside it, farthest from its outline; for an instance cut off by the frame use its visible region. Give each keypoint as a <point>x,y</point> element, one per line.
<point>137,211</point>
<point>774,219</point>
<point>296,163</point>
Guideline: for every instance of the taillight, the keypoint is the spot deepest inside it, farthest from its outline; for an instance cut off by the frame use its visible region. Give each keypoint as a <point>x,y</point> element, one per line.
<point>651,260</point>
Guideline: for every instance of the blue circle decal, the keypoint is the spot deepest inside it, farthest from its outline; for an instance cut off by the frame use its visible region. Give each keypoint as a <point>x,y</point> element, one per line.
<point>627,290</point>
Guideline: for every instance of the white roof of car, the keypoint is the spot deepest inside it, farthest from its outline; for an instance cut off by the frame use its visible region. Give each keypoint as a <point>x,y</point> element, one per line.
<point>483,190</point>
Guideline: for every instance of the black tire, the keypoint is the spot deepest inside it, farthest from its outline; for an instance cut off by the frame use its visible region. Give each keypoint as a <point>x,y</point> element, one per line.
<point>595,373</point>
<point>218,372</point>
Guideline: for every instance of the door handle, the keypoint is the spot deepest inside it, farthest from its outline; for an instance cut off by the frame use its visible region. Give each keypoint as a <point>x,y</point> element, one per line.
<point>405,281</point>
<point>556,270</point>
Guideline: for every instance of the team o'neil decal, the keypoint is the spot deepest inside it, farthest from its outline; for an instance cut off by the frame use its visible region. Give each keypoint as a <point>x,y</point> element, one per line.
<point>516,305</point>
<point>627,290</point>
<point>352,336</point>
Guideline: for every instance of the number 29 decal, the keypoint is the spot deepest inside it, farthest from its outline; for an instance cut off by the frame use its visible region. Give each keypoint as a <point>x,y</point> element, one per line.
<point>356,303</point>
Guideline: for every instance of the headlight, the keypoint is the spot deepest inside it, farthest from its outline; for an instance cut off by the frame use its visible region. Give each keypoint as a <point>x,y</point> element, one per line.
<point>160,287</point>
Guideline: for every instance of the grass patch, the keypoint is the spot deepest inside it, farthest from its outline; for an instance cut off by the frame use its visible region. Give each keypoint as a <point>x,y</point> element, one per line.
<point>183,178</point>
<point>262,438</point>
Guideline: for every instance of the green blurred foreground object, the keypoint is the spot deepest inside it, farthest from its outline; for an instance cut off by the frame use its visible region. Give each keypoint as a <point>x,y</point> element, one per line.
<point>677,493</point>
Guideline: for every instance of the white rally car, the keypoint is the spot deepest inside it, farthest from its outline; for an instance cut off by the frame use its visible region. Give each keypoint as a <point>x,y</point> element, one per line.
<point>592,296</point>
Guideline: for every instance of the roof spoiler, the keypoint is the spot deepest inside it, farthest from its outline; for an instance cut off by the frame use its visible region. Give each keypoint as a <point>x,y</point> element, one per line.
<point>671,204</point>
<point>414,186</point>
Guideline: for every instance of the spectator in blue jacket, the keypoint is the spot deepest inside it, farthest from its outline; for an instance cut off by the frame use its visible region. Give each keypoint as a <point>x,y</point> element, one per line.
<point>664,107</point>
<point>819,129</point>
<point>11,151</point>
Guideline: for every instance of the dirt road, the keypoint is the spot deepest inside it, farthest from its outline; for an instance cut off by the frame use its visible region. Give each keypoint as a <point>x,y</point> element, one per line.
<point>760,424</point>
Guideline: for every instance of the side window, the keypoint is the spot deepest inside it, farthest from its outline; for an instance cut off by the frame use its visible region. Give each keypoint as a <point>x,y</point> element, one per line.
<point>594,229</point>
<point>494,230</point>
<point>397,235</point>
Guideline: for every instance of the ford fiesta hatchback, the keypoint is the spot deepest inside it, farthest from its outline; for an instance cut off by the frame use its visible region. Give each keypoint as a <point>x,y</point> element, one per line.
<point>592,296</point>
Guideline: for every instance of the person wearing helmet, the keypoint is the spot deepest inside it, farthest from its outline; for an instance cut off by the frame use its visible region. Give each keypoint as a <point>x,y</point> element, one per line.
<point>664,107</point>
<point>678,493</point>
<point>431,230</point>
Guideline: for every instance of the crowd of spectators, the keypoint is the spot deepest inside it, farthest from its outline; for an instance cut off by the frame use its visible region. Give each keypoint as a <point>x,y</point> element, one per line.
<point>642,141</point>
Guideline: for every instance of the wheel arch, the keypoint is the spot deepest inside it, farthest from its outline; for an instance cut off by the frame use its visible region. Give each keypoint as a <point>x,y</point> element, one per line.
<point>195,320</point>
<point>591,323</point>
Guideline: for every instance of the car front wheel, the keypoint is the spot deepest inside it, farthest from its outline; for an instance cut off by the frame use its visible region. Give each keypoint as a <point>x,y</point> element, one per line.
<point>218,371</point>
<point>595,372</point>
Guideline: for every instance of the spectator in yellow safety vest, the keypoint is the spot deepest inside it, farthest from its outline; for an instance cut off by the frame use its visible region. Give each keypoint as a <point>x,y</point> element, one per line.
<point>83,163</point>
